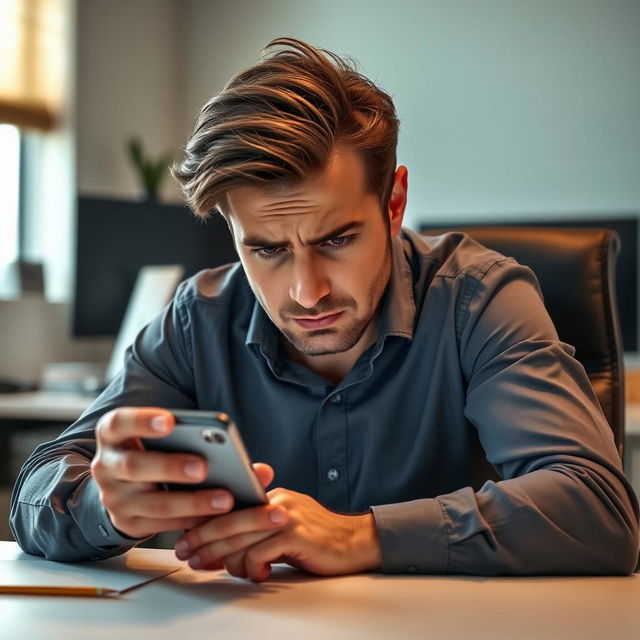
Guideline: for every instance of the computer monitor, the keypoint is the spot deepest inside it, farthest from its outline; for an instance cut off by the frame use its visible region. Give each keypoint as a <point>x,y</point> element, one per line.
<point>626,266</point>
<point>115,238</point>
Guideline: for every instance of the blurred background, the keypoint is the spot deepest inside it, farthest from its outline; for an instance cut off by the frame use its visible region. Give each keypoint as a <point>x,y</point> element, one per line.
<point>510,112</point>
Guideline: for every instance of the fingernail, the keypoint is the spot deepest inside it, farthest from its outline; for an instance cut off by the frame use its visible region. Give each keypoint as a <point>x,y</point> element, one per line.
<point>193,469</point>
<point>182,547</point>
<point>194,562</point>
<point>278,516</point>
<point>159,424</point>
<point>221,501</point>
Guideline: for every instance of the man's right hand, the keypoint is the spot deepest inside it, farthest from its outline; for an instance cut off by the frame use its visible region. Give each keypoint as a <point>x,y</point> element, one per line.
<point>128,477</point>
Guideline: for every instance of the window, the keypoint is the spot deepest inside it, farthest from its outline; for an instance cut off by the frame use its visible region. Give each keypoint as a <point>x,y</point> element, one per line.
<point>31,69</point>
<point>9,193</point>
<point>37,190</point>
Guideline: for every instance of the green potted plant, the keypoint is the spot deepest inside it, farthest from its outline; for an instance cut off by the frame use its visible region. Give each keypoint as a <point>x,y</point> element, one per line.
<point>150,173</point>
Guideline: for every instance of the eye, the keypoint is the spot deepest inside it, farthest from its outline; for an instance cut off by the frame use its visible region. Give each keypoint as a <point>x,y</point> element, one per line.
<point>340,241</point>
<point>266,253</point>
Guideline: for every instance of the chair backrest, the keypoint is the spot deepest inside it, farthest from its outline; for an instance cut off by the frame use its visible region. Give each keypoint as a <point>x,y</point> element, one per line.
<point>576,272</point>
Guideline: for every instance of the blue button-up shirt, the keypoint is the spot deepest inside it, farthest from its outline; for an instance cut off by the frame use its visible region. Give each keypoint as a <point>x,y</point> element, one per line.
<point>468,428</point>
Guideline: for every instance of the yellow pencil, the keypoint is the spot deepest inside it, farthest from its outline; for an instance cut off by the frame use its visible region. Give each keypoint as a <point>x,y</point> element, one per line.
<point>88,592</point>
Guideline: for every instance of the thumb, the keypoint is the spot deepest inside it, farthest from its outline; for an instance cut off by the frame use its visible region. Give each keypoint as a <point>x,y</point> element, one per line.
<point>264,472</point>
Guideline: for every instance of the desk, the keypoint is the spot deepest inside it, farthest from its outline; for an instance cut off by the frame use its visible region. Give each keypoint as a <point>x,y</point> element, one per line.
<point>195,605</point>
<point>25,413</point>
<point>49,406</point>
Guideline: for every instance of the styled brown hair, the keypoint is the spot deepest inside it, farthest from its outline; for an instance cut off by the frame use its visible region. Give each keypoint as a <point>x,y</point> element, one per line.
<point>280,120</point>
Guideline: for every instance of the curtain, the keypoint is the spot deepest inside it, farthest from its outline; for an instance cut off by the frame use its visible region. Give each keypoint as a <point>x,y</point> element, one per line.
<point>31,62</point>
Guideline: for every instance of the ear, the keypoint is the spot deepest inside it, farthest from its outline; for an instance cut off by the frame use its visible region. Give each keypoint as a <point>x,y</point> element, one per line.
<point>398,200</point>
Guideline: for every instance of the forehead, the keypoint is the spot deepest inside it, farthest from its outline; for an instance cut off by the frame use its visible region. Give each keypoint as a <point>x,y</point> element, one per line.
<point>330,195</point>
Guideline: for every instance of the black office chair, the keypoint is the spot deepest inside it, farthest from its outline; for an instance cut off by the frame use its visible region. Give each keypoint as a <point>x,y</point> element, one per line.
<point>576,271</point>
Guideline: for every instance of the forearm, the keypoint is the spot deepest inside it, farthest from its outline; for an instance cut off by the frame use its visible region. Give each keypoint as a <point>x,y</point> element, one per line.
<point>56,510</point>
<point>562,519</point>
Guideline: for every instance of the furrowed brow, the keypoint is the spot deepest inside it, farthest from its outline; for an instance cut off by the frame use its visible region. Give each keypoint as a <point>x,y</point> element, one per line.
<point>337,232</point>
<point>255,241</point>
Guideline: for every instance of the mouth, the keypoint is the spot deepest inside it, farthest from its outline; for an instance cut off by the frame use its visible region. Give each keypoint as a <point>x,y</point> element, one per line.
<point>318,322</point>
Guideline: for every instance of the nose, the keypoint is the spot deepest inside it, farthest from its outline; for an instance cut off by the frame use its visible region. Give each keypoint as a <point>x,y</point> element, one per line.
<point>310,283</point>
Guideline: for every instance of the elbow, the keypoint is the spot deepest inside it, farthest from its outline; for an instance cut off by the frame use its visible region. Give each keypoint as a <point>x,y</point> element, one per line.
<point>615,541</point>
<point>40,532</point>
<point>621,555</point>
<point>602,528</point>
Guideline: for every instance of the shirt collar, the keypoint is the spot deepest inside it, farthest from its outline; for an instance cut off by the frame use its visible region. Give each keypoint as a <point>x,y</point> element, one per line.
<point>397,313</point>
<point>399,307</point>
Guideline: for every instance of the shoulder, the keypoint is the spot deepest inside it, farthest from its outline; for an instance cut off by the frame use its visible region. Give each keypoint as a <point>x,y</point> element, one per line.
<point>454,273</point>
<point>453,255</point>
<point>225,285</point>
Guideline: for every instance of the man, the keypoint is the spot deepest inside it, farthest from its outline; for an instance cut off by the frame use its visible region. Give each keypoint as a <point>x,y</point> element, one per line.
<point>410,394</point>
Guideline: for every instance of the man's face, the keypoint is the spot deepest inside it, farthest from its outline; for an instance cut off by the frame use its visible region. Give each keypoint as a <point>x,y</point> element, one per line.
<point>317,255</point>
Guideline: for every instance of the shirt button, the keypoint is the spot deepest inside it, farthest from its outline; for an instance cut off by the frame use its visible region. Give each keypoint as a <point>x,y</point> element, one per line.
<point>103,531</point>
<point>333,475</point>
<point>337,398</point>
<point>412,569</point>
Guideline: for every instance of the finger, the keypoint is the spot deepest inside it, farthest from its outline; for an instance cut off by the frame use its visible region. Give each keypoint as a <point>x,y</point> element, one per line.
<point>252,520</point>
<point>222,549</point>
<point>262,575</point>
<point>168,504</point>
<point>197,521</point>
<point>125,423</point>
<point>138,527</point>
<point>149,466</point>
<point>214,566</point>
<point>264,472</point>
<point>258,559</point>
<point>234,564</point>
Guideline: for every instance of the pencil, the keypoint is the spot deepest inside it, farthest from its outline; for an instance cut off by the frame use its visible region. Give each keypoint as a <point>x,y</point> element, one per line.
<point>90,592</point>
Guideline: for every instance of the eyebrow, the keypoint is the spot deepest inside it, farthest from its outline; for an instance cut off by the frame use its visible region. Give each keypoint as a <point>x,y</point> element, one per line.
<point>255,241</point>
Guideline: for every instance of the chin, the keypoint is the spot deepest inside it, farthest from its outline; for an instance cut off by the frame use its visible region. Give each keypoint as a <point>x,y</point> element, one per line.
<point>325,342</point>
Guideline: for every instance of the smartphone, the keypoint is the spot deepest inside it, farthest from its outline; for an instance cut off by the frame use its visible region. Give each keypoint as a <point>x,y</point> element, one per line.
<point>215,437</point>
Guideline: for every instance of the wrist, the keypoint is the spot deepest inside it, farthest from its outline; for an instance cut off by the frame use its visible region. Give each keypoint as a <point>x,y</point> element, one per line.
<point>366,545</point>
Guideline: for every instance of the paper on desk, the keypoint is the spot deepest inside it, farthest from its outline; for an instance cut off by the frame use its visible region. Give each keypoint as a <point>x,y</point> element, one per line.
<point>119,573</point>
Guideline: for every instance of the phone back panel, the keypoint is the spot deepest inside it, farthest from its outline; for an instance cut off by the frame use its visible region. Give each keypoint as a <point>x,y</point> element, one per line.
<point>218,441</point>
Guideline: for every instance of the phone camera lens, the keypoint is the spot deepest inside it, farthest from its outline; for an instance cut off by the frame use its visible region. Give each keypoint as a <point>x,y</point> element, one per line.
<point>212,436</point>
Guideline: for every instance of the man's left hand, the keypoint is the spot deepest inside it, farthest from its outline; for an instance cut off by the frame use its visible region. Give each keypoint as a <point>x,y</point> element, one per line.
<point>292,528</point>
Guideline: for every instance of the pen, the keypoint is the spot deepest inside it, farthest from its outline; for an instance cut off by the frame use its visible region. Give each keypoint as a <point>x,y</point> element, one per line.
<point>90,592</point>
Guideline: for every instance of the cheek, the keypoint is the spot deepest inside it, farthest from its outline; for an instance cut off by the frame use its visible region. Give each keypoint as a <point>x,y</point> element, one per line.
<point>365,263</point>
<point>265,286</point>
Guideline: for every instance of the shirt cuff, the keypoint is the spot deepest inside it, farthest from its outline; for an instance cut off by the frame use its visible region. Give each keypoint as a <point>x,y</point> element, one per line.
<point>93,521</point>
<point>413,536</point>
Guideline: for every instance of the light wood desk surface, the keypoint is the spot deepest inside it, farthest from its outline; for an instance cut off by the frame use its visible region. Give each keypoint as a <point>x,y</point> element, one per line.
<point>50,406</point>
<point>195,605</point>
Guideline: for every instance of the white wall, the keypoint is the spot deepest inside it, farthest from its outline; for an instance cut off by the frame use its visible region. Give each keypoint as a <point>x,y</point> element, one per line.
<point>506,107</point>
<point>129,81</point>
<point>510,108</point>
